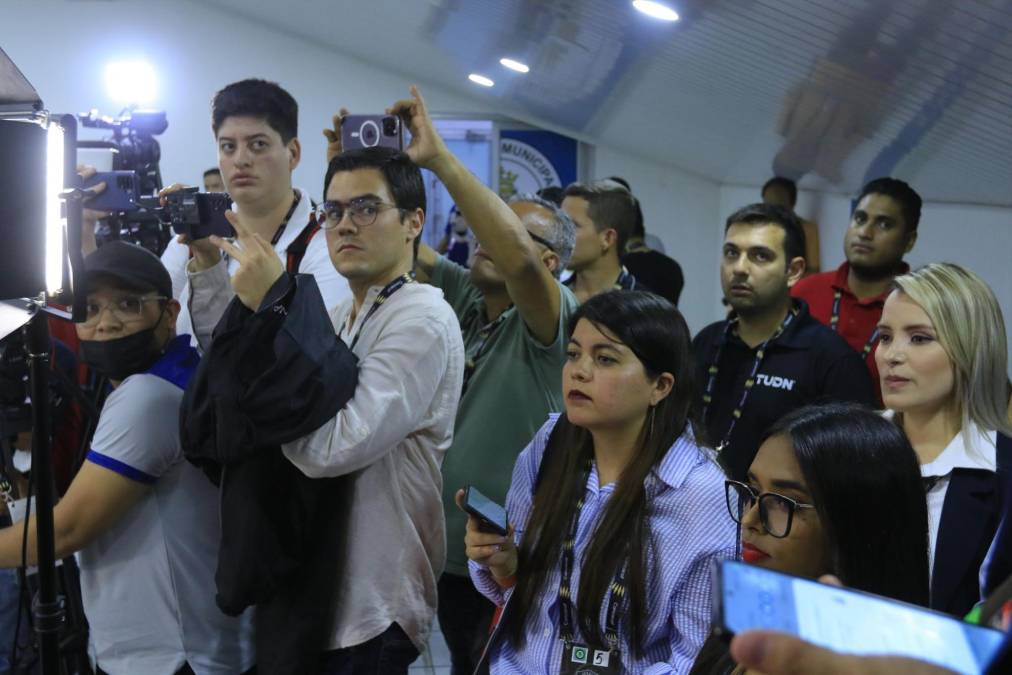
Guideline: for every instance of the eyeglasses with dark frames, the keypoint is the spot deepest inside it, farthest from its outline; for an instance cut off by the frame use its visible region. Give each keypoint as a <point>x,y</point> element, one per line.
<point>776,512</point>
<point>363,212</point>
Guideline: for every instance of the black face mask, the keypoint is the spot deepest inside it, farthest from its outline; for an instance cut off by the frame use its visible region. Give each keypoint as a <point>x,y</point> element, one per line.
<point>118,359</point>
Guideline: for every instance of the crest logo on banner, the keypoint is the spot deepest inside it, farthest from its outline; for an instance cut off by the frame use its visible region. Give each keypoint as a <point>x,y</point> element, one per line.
<point>523,169</point>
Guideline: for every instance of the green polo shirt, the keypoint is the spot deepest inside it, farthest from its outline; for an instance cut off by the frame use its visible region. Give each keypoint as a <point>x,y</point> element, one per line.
<point>517,381</point>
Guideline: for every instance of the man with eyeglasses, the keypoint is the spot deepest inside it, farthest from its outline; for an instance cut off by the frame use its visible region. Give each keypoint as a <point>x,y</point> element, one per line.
<point>513,313</point>
<point>390,437</point>
<point>142,520</point>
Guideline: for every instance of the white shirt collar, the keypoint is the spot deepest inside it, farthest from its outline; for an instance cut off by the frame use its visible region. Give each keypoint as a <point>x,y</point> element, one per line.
<point>972,448</point>
<point>979,454</point>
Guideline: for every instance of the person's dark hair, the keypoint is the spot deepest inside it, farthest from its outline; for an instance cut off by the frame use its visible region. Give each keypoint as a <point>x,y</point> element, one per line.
<point>865,482</point>
<point>909,201</point>
<point>768,214</point>
<point>639,231</point>
<point>609,205</point>
<point>212,170</point>
<point>402,176</point>
<point>621,181</point>
<point>260,99</point>
<point>786,184</point>
<point>657,334</point>
<point>552,193</point>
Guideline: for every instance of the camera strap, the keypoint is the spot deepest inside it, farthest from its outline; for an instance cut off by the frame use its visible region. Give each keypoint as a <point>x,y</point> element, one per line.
<point>297,249</point>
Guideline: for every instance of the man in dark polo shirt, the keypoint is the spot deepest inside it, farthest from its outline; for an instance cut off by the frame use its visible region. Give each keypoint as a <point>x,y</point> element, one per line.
<point>770,356</point>
<point>883,228</point>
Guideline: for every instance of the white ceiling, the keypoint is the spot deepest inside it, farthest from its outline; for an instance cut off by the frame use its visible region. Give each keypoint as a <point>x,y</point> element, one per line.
<point>830,91</point>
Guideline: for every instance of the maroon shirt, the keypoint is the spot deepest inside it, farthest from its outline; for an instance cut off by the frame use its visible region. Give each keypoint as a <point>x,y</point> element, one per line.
<point>858,318</point>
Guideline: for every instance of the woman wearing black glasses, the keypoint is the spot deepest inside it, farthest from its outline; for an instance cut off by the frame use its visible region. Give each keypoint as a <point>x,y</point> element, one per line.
<point>834,489</point>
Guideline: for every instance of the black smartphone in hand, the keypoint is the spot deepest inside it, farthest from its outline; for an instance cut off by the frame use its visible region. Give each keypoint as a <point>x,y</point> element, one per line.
<point>491,516</point>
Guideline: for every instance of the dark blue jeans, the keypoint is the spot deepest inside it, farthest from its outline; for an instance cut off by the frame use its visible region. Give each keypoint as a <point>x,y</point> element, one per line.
<point>389,653</point>
<point>10,598</point>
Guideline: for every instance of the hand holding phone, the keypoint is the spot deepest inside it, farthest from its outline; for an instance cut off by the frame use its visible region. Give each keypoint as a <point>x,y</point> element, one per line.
<point>489,538</point>
<point>369,131</point>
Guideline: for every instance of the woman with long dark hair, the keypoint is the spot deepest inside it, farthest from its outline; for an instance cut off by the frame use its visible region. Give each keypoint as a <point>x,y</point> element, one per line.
<point>617,511</point>
<point>834,489</point>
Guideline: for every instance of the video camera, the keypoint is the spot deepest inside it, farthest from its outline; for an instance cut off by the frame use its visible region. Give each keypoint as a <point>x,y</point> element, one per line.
<point>136,154</point>
<point>130,196</point>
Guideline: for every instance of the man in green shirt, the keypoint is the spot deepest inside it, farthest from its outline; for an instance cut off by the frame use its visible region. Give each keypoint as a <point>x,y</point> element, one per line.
<point>513,313</point>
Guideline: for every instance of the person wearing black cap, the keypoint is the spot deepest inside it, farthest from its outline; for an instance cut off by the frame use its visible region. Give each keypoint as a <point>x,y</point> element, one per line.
<point>143,520</point>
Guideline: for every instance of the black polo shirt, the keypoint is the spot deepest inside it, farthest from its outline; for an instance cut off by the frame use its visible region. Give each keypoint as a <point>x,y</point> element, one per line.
<point>808,363</point>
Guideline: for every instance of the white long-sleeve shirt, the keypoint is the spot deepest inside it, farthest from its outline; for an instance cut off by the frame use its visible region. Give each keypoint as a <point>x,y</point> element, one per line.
<point>391,436</point>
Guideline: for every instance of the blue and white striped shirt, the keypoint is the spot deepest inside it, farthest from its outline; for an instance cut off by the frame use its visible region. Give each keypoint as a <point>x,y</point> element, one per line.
<point>689,527</point>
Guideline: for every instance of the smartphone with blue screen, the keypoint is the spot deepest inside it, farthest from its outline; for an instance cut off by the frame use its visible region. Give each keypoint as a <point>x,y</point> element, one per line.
<point>748,597</point>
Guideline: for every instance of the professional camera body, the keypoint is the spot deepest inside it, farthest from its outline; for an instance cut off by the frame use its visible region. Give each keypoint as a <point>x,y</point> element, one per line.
<point>135,150</point>
<point>133,140</point>
<point>130,196</point>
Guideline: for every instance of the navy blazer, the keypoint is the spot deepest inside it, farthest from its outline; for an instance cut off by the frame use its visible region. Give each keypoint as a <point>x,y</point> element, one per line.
<point>970,517</point>
<point>1000,565</point>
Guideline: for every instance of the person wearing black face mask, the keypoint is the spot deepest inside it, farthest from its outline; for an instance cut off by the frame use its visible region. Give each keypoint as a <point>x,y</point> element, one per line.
<point>143,520</point>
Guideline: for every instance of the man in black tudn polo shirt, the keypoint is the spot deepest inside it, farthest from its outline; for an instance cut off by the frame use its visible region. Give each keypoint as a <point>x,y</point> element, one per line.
<point>770,356</point>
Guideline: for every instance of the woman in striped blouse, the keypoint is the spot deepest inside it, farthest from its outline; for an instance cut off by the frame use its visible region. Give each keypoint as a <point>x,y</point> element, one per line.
<point>617,513</point>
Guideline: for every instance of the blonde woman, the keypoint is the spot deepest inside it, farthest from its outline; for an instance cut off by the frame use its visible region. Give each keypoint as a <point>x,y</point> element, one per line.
<point>942,360</point>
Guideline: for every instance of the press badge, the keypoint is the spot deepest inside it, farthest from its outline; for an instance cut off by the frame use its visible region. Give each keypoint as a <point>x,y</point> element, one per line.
<point>580,659</point>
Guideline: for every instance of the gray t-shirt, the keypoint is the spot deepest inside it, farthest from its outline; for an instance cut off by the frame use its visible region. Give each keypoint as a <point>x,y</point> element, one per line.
<point>148,582</point>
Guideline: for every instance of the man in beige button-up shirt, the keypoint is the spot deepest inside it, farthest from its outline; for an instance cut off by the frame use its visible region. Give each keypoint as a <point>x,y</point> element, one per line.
<point>391,436</point>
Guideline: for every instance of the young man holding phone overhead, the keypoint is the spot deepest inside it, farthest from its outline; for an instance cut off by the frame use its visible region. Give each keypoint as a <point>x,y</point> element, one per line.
<point>512,311</point>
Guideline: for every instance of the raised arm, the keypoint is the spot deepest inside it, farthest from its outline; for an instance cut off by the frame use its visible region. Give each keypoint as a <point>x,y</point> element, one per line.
<point>499,230</point>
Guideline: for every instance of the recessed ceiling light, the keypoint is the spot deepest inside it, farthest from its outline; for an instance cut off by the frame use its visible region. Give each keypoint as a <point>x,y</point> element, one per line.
<point>657,10</point>
<point>481,79</point>
<point>515,65</point>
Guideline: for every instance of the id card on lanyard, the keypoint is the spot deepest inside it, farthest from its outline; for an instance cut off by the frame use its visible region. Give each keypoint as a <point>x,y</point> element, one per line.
<point>579,658</point>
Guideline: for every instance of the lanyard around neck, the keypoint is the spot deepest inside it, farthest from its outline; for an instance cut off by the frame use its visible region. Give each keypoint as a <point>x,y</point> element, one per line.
<point>568,560</point>
<point>288,216</point>
<point>711,383</point>
<point>384,295</point>
<point>834,320</point>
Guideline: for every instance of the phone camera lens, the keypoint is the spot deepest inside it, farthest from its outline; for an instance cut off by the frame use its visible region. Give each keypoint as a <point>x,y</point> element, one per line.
<point>390,126</point>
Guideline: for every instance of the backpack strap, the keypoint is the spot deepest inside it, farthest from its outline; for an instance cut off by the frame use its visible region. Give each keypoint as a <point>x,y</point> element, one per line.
<point>297,249</point>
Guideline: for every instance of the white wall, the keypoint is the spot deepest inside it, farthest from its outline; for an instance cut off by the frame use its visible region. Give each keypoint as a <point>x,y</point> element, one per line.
<point>62,48</point>
<point>977,237</point>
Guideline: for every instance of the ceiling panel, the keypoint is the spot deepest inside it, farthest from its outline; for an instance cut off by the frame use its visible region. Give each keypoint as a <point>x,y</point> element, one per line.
<point>831,92</point>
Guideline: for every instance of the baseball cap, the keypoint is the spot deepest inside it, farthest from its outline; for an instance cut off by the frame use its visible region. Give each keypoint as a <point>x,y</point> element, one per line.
<point>134,265</point>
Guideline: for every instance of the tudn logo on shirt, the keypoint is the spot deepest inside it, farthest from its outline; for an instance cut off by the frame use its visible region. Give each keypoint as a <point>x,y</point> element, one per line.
<point>775,382</point>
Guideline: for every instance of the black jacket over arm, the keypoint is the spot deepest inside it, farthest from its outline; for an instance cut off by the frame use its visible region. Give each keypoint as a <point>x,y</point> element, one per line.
<point>271,377</point>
